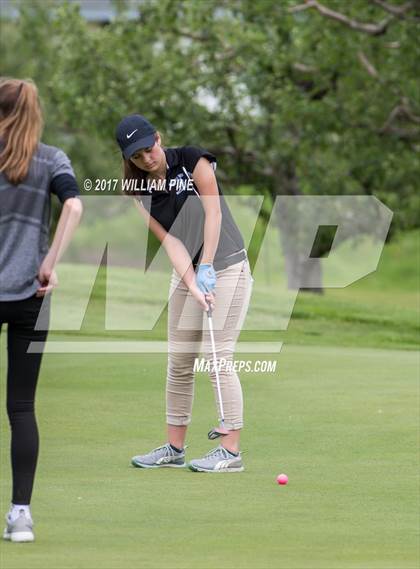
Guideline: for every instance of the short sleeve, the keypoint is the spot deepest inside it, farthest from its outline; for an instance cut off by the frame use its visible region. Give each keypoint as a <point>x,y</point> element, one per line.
<point>61,165</point>
<point>192,154</point>
<point>64,187</point>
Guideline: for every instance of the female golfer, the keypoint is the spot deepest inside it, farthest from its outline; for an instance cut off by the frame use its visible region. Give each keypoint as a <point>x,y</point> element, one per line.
<point>183,206</point>
<point>29,172</point>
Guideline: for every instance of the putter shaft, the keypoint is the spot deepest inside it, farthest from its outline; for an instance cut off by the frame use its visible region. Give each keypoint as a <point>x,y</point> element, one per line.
<point>213,345</point>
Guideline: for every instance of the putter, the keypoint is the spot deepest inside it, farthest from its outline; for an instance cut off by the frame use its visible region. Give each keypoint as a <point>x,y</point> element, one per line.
<point>221,430</point>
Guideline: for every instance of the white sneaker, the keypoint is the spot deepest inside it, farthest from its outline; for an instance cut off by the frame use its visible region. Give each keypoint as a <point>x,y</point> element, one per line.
<point>19,529</point>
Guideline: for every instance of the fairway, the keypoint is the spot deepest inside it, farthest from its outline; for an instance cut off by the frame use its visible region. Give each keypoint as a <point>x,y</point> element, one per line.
<point>341,422</point>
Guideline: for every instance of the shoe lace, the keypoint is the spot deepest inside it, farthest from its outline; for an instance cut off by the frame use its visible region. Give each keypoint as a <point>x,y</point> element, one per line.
<point>168,451</point>
<point>218,451</point>
<point>166,448</point>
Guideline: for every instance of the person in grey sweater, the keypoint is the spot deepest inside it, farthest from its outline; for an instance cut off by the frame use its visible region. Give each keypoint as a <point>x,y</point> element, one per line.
<point>29,173</point>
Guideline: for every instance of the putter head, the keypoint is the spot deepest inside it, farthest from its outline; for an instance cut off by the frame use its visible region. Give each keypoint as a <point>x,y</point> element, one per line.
<point>217,432</point>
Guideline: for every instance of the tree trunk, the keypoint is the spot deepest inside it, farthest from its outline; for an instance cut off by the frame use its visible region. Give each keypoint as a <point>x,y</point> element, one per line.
<point>302,272</point>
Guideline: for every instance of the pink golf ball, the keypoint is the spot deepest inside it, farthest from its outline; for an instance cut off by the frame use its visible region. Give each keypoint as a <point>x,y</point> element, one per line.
<point>282,479</point>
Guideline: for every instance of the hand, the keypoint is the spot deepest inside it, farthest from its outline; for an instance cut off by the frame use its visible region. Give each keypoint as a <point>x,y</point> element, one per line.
<point>47,277</point>
<point>206,277</point>
<point>203,299</point>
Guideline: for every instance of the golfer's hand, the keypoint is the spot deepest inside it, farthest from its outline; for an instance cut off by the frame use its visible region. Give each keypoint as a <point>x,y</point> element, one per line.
<point>201,298</point>
<point>206,278</point>
<point>48,279</point>
<point>210,299</point>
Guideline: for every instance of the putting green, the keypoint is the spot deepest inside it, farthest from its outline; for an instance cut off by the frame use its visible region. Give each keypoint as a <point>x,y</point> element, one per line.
<point>341,422</point>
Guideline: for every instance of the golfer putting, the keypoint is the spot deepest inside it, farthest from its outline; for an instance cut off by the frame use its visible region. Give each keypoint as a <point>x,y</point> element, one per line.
<point>183,206</point>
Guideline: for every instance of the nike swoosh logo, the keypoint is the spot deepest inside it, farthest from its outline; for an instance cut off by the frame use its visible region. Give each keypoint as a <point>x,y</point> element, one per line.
<point>131,133</point>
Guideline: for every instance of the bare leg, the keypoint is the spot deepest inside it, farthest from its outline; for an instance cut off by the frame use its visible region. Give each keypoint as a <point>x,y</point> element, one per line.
<point>176,435</point>
<point>231,441</point>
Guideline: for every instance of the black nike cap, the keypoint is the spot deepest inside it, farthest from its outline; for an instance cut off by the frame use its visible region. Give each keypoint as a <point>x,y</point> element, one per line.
<point>133,133</point>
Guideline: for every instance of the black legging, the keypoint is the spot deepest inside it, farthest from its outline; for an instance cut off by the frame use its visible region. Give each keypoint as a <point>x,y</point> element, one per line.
<point>22,376</point>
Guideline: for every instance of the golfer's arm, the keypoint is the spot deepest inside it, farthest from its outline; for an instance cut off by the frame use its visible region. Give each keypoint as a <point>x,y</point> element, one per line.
<point>206,183</point>
<point>175,249</point>
<point>70,216</point>
<point>180,259</point>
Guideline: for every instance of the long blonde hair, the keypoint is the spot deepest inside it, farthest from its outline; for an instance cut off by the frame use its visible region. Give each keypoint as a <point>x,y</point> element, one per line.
<point>20,126</point>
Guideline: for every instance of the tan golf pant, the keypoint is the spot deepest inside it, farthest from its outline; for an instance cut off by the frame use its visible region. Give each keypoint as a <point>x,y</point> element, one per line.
<point>188,334</point>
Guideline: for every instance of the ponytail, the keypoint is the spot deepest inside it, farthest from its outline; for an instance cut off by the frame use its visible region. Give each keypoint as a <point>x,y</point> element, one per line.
<point>20,127</point>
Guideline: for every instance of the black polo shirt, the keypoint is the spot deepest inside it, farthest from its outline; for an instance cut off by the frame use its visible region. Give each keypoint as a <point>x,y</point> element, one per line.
<point>187,223</point>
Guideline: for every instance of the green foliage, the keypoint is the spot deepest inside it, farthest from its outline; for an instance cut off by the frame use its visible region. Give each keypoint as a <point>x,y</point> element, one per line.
<point>278,95</point>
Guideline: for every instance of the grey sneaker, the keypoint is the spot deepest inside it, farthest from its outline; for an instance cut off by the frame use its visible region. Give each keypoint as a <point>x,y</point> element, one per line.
<point>164,456</point>
<point>217,460</point>
<point>20,529</point>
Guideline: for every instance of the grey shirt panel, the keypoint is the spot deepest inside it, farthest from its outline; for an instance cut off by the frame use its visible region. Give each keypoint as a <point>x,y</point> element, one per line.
<point>25,222</point>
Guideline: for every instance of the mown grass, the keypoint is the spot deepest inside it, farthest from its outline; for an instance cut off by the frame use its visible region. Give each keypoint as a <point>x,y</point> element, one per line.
<point>339,416</point>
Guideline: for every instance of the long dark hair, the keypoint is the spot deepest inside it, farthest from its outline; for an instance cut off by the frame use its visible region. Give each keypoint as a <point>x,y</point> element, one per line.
<point>131,172</point>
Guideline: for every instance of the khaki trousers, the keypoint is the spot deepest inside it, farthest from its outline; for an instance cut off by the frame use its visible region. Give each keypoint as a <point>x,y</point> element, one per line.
<point>188,334</point>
